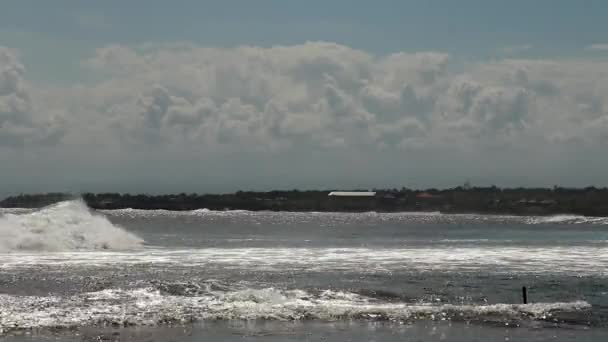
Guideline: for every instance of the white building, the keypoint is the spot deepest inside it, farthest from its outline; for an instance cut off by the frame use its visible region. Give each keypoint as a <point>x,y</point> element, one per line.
<point>352,194</point>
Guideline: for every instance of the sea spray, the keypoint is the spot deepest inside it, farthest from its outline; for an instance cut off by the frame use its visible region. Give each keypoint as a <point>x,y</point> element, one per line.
<point>153,306</point>
<point>65,226</point>
<point>568,219</point>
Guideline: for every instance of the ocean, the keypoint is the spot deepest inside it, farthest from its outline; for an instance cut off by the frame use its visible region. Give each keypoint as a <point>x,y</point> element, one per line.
<point>71,274</point>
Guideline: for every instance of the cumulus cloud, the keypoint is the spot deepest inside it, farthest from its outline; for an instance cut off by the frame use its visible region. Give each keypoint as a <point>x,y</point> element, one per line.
<point>328,95</point>
<point>19,125</point>
<point>316,96</point>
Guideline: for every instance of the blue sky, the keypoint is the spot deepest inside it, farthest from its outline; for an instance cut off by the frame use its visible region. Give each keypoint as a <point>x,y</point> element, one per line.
<point>381,85</point>
<point>55,36</point>
<point>472,28</point>
<point>378,25</point>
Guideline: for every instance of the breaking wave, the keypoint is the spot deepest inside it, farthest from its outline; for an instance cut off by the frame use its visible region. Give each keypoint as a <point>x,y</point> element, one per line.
<point>64,226</point>
<point>130,212</point>
<point>573,260</point>
<point>344,217</point>
<point>569,219</point>
<point>184,303</point>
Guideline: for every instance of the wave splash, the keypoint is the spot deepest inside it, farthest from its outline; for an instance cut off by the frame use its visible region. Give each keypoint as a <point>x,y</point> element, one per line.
<point>150,306</point>
<point>64,226</point>
<point>346,217</point>
<point>568,219</point>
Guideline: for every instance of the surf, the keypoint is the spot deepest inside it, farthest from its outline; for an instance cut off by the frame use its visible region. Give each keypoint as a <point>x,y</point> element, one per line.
<point>65,226</point>
<point>153,306</point>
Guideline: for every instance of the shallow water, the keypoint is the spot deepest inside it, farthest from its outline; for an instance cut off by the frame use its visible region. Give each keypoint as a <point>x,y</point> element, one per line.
<point>234,331</point>
<point>158,275</point>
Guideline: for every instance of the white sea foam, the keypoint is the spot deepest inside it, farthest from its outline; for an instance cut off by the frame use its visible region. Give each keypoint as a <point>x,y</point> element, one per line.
<point>151,306</point>
<point>204,211</point>
<point>64,226</point>
<point>418,217</point>
<point>4,211</point>
<point>568,219</point>
<point>579,260</point>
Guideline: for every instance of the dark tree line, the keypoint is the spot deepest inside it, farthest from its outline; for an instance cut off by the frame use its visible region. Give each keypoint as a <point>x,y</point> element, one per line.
<point>588,201</point>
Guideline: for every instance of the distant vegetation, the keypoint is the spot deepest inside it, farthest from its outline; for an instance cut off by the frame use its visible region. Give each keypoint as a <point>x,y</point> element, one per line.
<point>589,201</point>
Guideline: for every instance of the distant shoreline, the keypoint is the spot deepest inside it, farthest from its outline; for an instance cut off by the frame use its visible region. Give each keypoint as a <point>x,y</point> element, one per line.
<point>588,201</point>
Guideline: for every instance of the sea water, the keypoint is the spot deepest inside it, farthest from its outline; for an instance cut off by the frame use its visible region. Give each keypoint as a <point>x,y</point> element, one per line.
<point>69,273</point>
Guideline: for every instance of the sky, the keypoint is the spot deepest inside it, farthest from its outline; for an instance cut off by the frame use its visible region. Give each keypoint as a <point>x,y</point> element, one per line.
<point>216,96</point>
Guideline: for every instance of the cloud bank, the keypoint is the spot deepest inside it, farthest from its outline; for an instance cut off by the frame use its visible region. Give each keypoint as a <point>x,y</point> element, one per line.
<point>170,100</point>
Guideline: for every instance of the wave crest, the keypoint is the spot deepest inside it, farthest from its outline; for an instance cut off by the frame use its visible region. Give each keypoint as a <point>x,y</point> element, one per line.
<point>151,306</point>
<point>64,226</point>
<point>568,219</point>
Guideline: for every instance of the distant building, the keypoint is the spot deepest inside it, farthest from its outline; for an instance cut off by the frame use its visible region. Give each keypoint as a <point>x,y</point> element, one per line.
<point>352,194</point>
<point>353,200</point>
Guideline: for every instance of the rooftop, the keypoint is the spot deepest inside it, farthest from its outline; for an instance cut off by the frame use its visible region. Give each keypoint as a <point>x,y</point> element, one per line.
<point>352,193</point>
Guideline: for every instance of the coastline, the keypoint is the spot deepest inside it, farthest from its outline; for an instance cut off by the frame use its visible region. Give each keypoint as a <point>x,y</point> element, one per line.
<point>591,202</point>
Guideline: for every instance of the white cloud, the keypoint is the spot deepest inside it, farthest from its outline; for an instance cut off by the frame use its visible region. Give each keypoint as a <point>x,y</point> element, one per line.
<point>19,124</point>
<point>318,96</point>
<point>598,47</point>
<point>323,94</point>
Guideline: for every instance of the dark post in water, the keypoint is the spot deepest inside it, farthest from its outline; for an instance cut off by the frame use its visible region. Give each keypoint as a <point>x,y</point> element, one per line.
<point>524,293</point>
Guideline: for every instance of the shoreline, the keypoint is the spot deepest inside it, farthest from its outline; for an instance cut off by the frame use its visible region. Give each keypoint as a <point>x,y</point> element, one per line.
<point>260,330</point>
<point>412,213</point>
<point>588,202</point>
